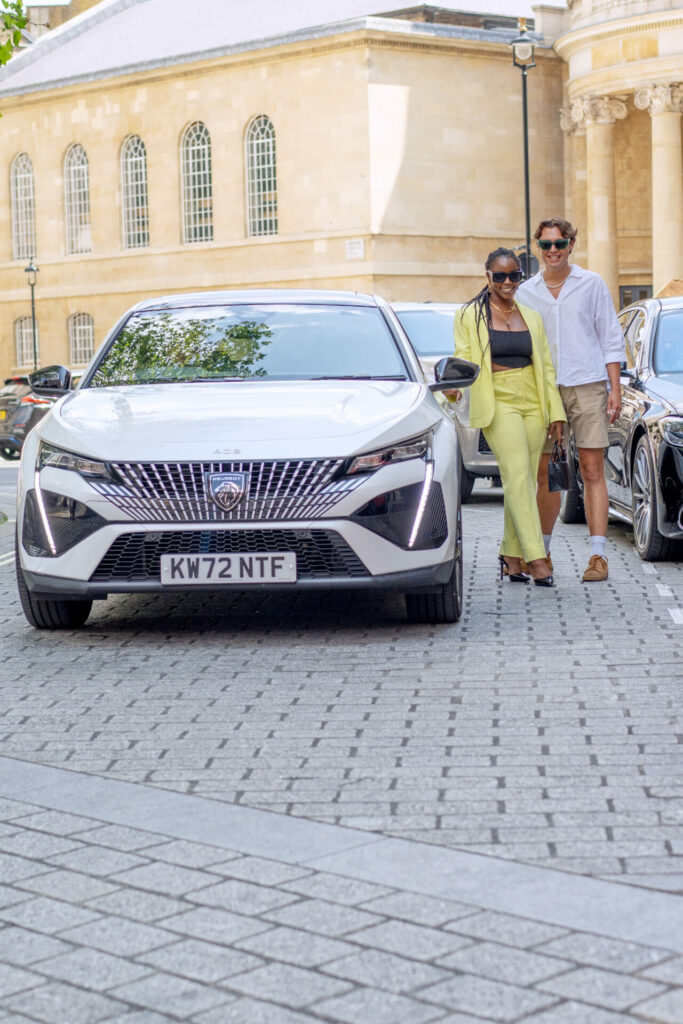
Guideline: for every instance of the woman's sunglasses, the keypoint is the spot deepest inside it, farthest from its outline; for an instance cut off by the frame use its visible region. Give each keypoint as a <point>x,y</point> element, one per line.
<point>499,276</point>
<point>546,244</point>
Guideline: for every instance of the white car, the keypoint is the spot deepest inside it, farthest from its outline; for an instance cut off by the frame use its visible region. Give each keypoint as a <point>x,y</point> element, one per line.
<point>278,439</point>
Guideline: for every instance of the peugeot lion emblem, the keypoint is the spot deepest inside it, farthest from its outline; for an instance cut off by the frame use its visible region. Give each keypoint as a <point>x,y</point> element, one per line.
<point>227,489</point>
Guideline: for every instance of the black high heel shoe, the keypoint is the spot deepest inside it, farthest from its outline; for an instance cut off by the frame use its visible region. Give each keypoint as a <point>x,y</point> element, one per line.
<point>546,581</point>
<point>514,577</point>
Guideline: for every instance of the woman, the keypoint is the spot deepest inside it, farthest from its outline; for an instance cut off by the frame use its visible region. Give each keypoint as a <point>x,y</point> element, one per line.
<point>514,400</point>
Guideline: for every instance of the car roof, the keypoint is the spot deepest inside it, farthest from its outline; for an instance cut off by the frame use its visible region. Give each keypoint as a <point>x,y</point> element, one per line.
<point>298,296</point>
<point>670,302</point>
<point>441,307</point>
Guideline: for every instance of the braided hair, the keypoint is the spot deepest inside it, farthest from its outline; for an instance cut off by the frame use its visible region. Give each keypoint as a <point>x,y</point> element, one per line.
<point>482,300</point>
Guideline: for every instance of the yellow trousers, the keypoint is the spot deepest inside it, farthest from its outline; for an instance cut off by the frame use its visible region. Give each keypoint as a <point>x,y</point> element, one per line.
<point>516,436</point>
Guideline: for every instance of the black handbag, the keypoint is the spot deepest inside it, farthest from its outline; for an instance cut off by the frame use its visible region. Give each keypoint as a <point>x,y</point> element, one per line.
<point>558,469</point>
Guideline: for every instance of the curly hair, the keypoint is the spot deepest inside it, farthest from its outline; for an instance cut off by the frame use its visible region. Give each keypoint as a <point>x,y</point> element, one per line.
<point>482,300</point>
<point>567,230</point>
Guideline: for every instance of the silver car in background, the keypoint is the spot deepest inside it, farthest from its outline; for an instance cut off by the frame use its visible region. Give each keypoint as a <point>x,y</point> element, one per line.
<point>429,325</point>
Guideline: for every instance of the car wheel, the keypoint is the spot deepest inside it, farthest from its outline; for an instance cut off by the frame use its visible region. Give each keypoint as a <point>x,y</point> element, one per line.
<point>49,613</point>
<point>571,507</point>
<point>9,454</point>
<point>650,544</point>
<point>444,604</point>
<point>466,482</point>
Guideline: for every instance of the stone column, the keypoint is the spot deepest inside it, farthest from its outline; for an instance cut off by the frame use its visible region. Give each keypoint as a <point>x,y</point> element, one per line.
<point>665,103</point>
<point>599,114</point>
<point>575,179</point>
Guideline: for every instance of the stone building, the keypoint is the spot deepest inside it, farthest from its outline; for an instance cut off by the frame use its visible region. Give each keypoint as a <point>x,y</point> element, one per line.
<point>156,146</point>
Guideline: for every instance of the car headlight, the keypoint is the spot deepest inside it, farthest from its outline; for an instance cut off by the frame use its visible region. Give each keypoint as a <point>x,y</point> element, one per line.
<point>415,448</point>
<point>672,429</point>
<point>56,458</point>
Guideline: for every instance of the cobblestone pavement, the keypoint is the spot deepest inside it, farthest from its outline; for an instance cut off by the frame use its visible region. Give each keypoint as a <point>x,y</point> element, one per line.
<point>540,730</point>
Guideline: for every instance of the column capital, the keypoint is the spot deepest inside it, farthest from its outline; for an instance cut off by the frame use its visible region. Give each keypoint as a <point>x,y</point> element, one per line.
<point>567,122</point>
<point>589,110</point>
<point>661,98</point>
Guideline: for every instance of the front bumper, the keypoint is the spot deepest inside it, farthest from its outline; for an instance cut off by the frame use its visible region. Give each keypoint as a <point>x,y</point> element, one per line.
<point>477,457</point>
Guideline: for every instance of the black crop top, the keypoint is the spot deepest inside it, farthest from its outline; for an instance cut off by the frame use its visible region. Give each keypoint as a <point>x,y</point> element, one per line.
<point>510,348</point>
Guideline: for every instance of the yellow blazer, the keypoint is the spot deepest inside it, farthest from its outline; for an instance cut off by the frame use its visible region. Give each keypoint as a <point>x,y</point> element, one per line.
<point>476,348</point>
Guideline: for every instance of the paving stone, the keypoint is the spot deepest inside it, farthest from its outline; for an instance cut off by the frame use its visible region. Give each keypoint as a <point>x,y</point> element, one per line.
<point>14,869</point>
<point>577,1013</point>
<point>120,837</point>
<point>365,1005</point>
<point>90,968</point>
<point>612,954</point>
<point>665,1009</point>
<point>242,897</point>
<point>493,1000</point>
<point>16,979</point>
<point>36,844</point>
<point>602,988</point>
<point>401,936</point>
<point>322,917</point>
<point>262,871</point>
<point>67,885</point>
<point>287,984</point>
<point>21,946</point>
<point>43,914</point>
<point>57,823</point>
<point>251,1011</point>
<point>202,961</point>
<point>139,906</point>
<point>165,993</point>
<point>214,925</point>
<point>167,879</point>
<point>419,909</point>
<point>56,1003</point>
<point>119,937</point>
<point>192,855</point>
<point>337,889</point>
<point>294,946</point>
<point>378,969</point>
<point>514,931</point>
<point>505,963</point>
<point>670,971</point>
<point>96,860</point>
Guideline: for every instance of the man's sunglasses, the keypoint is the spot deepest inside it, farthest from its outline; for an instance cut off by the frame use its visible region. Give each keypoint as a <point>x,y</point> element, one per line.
<point>546,244</point>
<point>499,276</point>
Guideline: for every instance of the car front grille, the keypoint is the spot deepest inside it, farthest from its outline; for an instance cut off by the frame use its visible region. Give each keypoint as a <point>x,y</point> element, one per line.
<point>173,492</point>
<point>320,554</point>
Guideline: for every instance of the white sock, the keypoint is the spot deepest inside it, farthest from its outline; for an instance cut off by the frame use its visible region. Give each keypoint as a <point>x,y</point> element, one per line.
<point>547,537</point>
<point>598,546</point>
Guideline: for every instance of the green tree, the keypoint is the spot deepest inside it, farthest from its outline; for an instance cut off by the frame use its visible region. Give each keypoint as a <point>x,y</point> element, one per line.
<point>12,21</point>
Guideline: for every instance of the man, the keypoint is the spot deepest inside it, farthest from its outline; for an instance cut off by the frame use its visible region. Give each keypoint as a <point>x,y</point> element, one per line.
<point>587,347</point>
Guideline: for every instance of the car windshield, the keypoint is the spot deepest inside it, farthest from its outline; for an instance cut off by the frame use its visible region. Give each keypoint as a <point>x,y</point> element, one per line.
<point>251,342</point>
<point>430,330</point>
<point>669,343</point>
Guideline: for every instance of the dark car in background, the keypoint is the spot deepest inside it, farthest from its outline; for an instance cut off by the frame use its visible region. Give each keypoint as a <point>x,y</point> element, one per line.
<point>429,325</point>
<point>644,460</point>
<point>20,410</point>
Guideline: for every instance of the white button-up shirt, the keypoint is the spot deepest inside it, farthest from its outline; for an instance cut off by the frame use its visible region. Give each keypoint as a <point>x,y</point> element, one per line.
<point>582,327</point>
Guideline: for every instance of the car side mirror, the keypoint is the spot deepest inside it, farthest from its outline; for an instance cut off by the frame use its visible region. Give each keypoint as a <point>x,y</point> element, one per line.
<point>50,380</point>
<point>452,372</point>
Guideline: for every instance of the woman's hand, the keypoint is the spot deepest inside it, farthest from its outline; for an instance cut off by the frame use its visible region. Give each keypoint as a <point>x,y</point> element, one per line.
<point>556,430</point>
<point>453,395</point>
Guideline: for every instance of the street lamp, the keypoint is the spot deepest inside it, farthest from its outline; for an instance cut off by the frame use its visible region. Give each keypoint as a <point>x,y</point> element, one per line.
<point>32,272</point>
<point>523,58</point>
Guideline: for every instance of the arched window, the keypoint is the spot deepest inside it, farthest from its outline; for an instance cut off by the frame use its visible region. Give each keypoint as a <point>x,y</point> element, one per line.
<point>134,192</point>
<point>23,336</point>
<point>197,187</point>
<point>77,187</point>
<point>81,338</point>
<point>23,208</point>
<point>261,177</point>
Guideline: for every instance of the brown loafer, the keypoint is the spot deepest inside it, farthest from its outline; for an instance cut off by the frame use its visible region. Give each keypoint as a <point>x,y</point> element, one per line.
<point>548,562</point>
<point>597,569</point>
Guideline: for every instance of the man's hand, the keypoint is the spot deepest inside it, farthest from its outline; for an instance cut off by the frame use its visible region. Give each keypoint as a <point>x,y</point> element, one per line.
<point>613,406</point>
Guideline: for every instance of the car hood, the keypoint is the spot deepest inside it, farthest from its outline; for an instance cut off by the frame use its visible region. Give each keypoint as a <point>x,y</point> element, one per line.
<point>253,419</point>
<point>669,387</point>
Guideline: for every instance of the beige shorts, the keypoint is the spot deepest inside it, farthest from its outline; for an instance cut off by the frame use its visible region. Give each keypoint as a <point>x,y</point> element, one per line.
<point>586,408</point>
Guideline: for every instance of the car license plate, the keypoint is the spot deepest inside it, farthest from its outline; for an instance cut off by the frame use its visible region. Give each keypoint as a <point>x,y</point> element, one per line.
<point>254,567</point>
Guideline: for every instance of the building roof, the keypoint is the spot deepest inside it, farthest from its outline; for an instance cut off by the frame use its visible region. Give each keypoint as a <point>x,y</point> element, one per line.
<point>126,36</point>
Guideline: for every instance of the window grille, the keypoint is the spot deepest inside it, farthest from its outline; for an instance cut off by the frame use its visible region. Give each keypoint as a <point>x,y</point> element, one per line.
<point>23,208</point>
<point>134,192</point>
<point>23,336</point>
<point>81,338</point>
<point>197,187</point>
<point>77,185</point>
<point>261,179</point>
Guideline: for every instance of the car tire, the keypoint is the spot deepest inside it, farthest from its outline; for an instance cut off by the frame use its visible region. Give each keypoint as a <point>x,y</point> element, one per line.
<point>49,613</point>
<point>571,506</point>
<point>649,543</point>
<point>10,454</point>
<point>466,482</point>
<point>445,604</point>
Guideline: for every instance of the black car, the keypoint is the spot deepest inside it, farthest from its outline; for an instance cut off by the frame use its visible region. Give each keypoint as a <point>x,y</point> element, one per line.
<point>644,460</point>
<point>20,410</point>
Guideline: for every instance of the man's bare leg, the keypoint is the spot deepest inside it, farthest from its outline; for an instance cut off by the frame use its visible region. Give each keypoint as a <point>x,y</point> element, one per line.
<point>595,500</point>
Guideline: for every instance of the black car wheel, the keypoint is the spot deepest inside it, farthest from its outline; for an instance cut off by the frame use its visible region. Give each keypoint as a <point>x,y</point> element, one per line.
<point>650,544</point>
<point>445,604</point>
<point>571,507</point>
<point>50,613</point>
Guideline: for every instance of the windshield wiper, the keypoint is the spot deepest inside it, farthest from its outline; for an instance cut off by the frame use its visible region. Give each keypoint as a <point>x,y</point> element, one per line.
<point>361,376</point>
